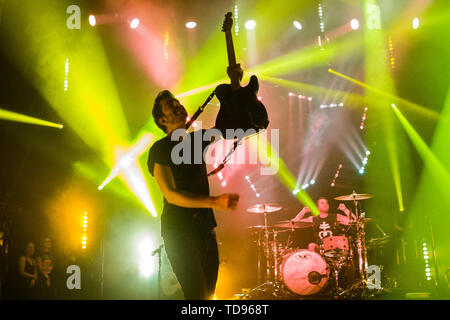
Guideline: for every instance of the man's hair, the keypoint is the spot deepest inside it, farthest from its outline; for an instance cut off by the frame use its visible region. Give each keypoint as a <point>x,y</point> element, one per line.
<point>321,199</point>
<point>157,109</point>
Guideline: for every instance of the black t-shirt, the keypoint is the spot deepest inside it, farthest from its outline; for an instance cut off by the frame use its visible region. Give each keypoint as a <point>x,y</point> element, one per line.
<point>326,227</point>
<point>189,177</point>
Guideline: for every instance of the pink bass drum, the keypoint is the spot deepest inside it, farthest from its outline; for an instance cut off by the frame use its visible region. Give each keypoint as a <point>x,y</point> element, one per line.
<point>304,272</point>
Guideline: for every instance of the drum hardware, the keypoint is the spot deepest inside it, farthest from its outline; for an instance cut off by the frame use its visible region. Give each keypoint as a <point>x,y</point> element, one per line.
<point>376,243</point>
<point>271,248</point>
<point>293,225</point>
<point>264,208</point>
<point>361,220</point>
<point>355,197</point>
<point>259,227</point>
<point>360,233</point>
<point>356,286</point>
<point>360,290</point>
<point>267,230</point>
<point>361,250</point>
<point>361,247</point>
<point>337,264</point>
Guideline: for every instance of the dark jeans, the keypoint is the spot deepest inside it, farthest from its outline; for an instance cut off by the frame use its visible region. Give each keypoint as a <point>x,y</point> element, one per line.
<point>195,262</point>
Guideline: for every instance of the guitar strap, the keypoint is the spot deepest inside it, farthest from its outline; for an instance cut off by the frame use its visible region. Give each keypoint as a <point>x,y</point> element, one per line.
<point>222,165</point>
<point>200,110</point>
<point>195,116</point>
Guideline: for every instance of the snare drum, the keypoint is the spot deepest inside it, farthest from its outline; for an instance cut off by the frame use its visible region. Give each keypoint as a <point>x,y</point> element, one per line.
<point>304,272</point>
<point>335,246</point>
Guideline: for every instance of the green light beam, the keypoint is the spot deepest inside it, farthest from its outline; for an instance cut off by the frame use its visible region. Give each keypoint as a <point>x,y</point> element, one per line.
<point>414,107</point>
<point>430,160</point>
<point>308,89</point>
<point>380,91</point>
<point>269,156</point>
<point>17,117</point>
<point>309,57</point>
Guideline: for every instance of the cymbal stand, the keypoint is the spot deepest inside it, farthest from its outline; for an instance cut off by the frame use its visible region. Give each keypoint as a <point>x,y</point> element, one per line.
<point>272,286</point>
<point>259,258</point>
<point>360,242</point>
<point>364,250</point>
<point>336,264</point>
<point>267,247</point>
<point>275,256</point>
<point>362,253</point>
<point>263,246</point>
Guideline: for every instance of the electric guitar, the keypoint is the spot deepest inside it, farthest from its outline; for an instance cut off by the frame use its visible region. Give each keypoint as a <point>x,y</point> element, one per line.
<point>239,108</point>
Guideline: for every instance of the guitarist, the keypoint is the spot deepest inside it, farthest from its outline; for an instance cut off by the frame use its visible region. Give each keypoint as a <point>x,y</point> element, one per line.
<point>187,220</point>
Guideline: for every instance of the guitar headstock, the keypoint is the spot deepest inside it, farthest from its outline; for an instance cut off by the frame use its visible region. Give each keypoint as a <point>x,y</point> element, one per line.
<point>227,22</point>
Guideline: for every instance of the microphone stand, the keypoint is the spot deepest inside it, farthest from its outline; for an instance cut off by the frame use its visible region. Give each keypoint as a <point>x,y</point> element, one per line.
<point>158,252</point>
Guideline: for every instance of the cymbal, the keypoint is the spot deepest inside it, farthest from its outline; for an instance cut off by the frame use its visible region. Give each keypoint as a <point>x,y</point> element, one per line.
<point>355,196</point>
<point>264,208</point>
<point>293,225</point>
<point>363,220</point>
<point>259,227</point>
<point>378,242</point>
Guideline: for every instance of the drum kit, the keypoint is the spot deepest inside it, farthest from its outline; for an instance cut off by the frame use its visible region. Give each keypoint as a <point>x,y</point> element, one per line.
<point>337,270</point>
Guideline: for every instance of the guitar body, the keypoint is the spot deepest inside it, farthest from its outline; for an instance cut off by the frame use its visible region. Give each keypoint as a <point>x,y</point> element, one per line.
<point>241,109</point>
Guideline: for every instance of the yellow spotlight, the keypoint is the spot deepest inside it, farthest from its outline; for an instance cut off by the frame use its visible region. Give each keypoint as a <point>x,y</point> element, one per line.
<point>17,117</point>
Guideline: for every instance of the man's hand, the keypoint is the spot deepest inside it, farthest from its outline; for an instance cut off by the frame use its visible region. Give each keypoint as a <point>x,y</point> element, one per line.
<point>342,207</point>
<point>227,201</point>
<point>305,210</point>
<point>314,247</point>
<point>343,220</point>
<point>235,73</point>
<point>301,214</point>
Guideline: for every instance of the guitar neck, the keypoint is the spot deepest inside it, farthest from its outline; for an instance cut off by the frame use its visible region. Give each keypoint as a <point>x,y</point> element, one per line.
<point>230,49</point>
<point>235,82</point>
